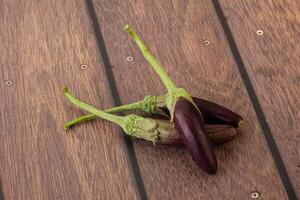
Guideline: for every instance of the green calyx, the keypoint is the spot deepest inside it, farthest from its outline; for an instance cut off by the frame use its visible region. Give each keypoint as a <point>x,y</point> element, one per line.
<point>140,127</point>
<point>174,95</point>
<point>148,104</point>
<point>133,125</point>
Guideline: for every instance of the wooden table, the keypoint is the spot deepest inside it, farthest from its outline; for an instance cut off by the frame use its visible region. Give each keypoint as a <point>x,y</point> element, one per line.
<point>241,54</point>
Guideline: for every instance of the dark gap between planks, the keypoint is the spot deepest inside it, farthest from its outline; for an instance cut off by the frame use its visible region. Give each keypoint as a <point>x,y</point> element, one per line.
<point>255,103</point>
<point>1,190</point>
<point>116,97</point>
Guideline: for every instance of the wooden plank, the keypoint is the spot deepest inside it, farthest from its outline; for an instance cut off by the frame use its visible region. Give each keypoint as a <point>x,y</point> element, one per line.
<point>272,61</point>
<point>175,32</point>
<point>43,44</point>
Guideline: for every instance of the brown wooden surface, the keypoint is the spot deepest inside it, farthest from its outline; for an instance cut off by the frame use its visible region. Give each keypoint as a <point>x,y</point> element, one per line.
<point>272,61</point>
<point>43,44</point>
<point>174,32</point>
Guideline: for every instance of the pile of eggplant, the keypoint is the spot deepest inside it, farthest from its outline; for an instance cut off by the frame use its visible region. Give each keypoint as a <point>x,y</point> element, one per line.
<point>176,118</point>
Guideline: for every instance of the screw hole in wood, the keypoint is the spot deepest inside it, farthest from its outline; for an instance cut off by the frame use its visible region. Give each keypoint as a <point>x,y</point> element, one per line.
<point>206,42</point>
<point>8,83</point>
<point>255,195</point>
<point>84,67</point>
<point>129,58</point>
<point>259,32</point>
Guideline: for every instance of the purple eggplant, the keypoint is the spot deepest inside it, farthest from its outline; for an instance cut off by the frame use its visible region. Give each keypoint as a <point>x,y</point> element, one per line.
<point>190,125</point>
<point>218,133</point>
<point>184,114</point>
<point>216,114</point>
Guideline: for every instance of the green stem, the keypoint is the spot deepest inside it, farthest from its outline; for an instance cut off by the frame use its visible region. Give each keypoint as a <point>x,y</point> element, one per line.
<point>113,118</point>
<point>81,119</point>
<point>149,104</point>
<point>173,92</point>
<point>133,125</point>
<point>153,62</point>
<point>89,117</point>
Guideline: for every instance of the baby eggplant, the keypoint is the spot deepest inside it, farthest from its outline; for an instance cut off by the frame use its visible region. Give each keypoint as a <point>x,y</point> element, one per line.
<point>189,123</point>
<point>216,114</point>
<point>218,133</point>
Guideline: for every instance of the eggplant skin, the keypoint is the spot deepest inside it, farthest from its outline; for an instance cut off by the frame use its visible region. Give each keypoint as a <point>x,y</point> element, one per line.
<point>190,125</point>
<point>216,114</point>
<point>218,133</point>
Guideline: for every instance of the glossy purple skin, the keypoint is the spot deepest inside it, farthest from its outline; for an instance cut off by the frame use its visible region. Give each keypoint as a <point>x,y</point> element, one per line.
<point>189,123</point>
<point>216,114</point>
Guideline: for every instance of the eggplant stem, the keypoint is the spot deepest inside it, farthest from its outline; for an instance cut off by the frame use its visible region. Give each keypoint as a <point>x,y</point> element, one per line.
<point>90,116</point>
<point>149,104</point>
<point>173,91</point>
<point>133,125</point>
<point>110,117</point>
<point>81,119</point>
<point>169,84</point>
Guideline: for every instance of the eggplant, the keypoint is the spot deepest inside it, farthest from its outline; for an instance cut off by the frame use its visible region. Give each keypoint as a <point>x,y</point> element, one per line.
<point>218,133</point>
<point>190,125</point>
<point>221,133</point>
<point>214,113</point>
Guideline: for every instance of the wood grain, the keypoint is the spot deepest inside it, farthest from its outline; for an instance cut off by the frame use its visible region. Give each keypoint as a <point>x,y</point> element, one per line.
<point>175,32</point>
<point>43,44</point>
<point>272,61</point>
